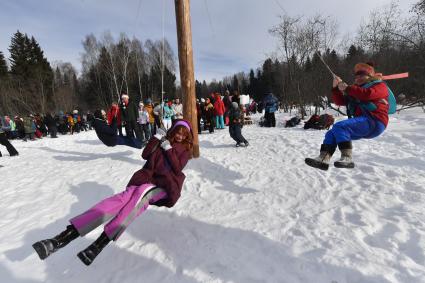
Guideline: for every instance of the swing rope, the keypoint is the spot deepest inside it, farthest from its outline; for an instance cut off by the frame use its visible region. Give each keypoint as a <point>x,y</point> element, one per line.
<point>162,52</point>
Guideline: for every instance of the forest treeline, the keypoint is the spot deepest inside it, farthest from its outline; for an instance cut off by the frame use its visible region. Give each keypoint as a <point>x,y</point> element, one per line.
<point>29,83</point>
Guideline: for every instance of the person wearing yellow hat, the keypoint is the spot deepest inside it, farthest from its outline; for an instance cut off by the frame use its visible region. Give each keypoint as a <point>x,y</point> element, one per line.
<point>367,107</point>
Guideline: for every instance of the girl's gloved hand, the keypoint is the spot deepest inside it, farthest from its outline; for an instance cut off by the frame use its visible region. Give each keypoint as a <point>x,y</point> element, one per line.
<point>166,145</point>
<point>160,134</point>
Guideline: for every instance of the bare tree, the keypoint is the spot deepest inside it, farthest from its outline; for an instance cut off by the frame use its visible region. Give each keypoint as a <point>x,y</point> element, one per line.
<point>139,57</point>
<point>90,61</point>
<point>109,44</point>
<point>377,34</point>
<point>123,50</point>
<point>300,38</point>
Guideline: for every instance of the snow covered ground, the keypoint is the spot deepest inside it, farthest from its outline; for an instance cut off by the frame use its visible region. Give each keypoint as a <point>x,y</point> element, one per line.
<point>255,214</point>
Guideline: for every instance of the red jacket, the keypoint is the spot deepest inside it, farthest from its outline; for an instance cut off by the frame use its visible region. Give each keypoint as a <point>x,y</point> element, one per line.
<point>375,94</point>
<point>111,114</point>
<point>218,106</point>
<point>164,169</point>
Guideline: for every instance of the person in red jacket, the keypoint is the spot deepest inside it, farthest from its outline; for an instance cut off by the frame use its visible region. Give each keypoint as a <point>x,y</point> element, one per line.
<point>219,112</point>
<point>367,107</point>
<point>159,183</point>
<point>115,112</point>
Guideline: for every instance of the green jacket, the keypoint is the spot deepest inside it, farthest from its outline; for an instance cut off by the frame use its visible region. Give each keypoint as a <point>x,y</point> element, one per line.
<point>28,125</point>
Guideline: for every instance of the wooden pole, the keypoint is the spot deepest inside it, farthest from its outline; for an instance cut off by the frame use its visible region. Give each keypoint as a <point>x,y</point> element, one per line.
<point>187,77</point>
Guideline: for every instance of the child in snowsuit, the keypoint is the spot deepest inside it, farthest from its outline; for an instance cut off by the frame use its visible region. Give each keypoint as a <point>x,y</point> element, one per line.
<point>29,128</point>
<point>219,111</point>
<point>158,183</point>
<point>235,125</point>
<point>168,115</point>
<point>144,124</point>
<point>367,104</point>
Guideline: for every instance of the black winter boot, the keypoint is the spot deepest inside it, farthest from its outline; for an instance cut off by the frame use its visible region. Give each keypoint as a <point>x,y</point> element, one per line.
<point>88,255</point>
<point>346,160</point>
<point>44,248</point>
<point>322,161</point>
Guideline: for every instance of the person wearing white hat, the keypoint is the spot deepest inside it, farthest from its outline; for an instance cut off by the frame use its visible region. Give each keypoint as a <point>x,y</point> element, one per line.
<point>129,114</point>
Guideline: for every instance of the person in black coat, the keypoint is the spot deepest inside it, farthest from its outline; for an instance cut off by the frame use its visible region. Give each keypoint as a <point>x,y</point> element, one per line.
<point>129,115</point>
<point>51,125</point>
<point>90,120</point>
<point>236,97</point>
<point>108,133</point>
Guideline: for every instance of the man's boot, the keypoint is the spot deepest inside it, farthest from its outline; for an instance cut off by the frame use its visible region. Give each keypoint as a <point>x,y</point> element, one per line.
<point>346,160</point>
<point>44,248</point>
<point>88,255</point>
<point>322,161</point>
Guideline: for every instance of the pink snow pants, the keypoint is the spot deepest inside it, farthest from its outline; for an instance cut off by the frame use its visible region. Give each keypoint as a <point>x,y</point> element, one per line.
<point>122,208</point>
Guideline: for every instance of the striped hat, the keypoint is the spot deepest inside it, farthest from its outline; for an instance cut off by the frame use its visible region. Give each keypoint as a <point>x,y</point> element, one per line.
<point>364,69</point>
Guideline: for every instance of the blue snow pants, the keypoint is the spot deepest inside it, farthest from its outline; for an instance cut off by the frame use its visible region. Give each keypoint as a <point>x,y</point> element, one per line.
<point>362,127</point>
<point>129,141</point>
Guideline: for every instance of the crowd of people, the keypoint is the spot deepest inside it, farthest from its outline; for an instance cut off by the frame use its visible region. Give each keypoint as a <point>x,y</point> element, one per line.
<point>216,112</point>
<point>142,121</point>
<point>139,121</point>
<point>36,126</point>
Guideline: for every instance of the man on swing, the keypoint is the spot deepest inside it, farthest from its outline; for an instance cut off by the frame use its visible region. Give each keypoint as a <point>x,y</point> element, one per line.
<point>367,107</point>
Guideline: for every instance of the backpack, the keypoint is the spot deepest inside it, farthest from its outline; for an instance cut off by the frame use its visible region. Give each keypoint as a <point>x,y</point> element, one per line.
<point>321,122</point>
<point>292,122</point>
<point>392,103</point>
<point>314,119</point>
<point>326,121</point>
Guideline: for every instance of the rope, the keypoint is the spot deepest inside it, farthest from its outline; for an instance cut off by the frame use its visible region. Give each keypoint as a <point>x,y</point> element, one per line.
<point>209,19</point>
<point>162,54</point>
<point>326,65</point>
<point>280,6</point>
<point>138,14</point>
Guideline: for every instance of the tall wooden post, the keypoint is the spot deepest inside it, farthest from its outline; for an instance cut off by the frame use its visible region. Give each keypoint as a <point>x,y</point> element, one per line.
<point>187,77</point>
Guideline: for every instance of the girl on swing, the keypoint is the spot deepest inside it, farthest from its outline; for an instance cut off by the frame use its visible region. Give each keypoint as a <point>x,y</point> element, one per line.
<point>158,183</point>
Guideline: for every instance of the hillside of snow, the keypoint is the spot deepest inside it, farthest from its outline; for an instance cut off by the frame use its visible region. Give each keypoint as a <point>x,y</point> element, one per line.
<point>246,215</point>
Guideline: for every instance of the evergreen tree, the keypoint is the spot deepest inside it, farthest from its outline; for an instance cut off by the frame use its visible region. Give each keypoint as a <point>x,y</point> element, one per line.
<point>204,89</point>
<point>235,83</point>
<point>352,53</point>
<point>252,88</point>
<point>267,77</point>
<point>3,66</point>
<point>19,54</point>
<point>308,65</point>
<point>198,89</point>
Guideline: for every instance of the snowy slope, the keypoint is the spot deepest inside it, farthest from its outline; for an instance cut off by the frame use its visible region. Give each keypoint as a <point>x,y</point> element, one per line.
<point>254,214</point>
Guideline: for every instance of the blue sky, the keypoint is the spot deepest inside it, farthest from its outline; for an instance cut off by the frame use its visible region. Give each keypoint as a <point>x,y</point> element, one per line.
<point>228,35</point>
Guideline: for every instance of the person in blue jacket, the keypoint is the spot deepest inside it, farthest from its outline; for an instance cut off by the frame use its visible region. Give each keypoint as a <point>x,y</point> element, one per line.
<point>270,104</point>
